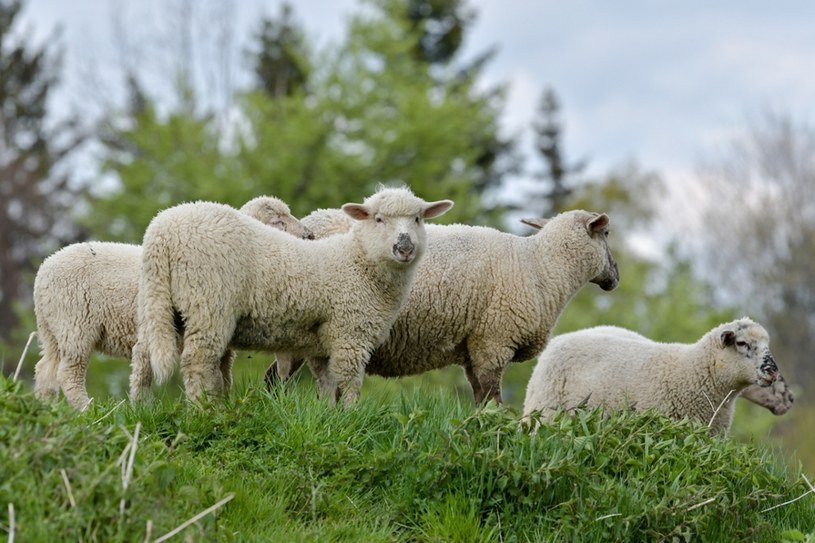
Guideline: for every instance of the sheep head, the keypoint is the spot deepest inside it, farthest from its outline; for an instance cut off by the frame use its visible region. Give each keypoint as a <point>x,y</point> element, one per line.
<point>393,220</point>
<point>747,344</point>
<point>275,213</point>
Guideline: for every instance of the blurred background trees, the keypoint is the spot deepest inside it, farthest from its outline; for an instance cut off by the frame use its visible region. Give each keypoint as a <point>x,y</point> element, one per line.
<point>36,194</point>
<point>394,102</point>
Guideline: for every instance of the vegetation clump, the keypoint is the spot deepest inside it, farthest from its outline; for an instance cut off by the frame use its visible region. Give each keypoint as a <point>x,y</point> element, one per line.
<point>407,467</point>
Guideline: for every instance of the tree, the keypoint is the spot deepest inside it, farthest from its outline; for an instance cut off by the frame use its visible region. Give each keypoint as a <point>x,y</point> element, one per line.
<point>441,25</point>
<point>557,180</point>
<point>758,221</point>
<point>375,114</point>
<point>372,112</point>
<point>159,161</point>
<point>36,193</point>
<point>281,61</point>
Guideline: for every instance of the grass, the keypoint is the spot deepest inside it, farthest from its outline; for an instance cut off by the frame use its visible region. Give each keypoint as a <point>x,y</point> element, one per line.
<point>397,466</point>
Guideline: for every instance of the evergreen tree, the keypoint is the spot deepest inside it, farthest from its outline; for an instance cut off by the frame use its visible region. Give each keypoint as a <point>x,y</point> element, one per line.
<point>441,25</point>
<point>35,196</point>
<point>281,62</point>
<point>378,113</point>
<point>558,177</point>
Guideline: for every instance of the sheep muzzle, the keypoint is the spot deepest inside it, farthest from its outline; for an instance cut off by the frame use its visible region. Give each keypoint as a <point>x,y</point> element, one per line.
<point>404,249</point>
<point>769,370</point>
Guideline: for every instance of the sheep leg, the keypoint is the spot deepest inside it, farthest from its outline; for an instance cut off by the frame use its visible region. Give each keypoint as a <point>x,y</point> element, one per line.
<point>46,385</point>
<point>201,362</point>
<point>45,378</point>
<point>288,365</point>
<point>227,360</point>
<point>478,392</point>
<point>488,366</point>
<point>141,374</point>
<point>270,378</point>
<point>284,366</point>
<point>346,369</point>
<point>326,388</point>
<point>71,377</point>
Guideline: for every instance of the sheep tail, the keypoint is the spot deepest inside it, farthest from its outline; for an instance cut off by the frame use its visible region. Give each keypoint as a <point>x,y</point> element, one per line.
<point>157,316</point>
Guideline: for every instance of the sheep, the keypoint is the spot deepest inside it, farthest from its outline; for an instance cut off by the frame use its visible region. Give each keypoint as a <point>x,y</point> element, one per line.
<point>614,367</point>
<point>85,301</point>
<point>236,285</point>
<point>483,298</point>
<point>776,398</point>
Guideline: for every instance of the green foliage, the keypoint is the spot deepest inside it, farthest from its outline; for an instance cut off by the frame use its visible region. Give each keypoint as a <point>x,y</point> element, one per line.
<point>160,162</point>
<point>394,467</point>
<point>371,112</point>
<point>37,197</point>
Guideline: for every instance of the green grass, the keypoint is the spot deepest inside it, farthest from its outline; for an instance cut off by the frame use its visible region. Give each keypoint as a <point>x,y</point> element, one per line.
<point>397,466</point>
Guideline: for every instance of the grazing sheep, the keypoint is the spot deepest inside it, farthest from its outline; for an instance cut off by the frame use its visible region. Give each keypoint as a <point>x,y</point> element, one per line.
<point>776,398</point>
<point>85,301</point>
<point>613,367</point>
<point>483,298</point>
<point>237,285</point>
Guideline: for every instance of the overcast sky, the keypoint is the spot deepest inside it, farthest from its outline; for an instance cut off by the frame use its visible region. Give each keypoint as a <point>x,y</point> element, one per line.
<point>659,82</point>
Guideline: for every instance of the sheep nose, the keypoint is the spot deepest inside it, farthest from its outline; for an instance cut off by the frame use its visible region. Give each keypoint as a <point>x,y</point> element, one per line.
<point>769,367</point>
<point>404,247</point>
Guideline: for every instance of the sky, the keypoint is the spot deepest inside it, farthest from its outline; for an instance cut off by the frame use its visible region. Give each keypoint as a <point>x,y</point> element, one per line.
<point>662,83</point>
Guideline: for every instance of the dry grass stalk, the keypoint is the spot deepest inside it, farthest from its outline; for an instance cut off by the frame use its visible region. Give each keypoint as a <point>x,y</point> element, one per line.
<point>22,357</point>
<point>128,471</point>
<point>103,417</point>
<point>716,412</point>
<point>707,501</point>
<point>194,519</point>
<point>805,494</point>
<point>10,523</point>
<point>65,480</point>
<point>148,531</point>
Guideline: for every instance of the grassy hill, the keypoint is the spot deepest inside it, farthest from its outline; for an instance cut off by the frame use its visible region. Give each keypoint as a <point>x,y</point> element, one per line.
<point>417,466</point>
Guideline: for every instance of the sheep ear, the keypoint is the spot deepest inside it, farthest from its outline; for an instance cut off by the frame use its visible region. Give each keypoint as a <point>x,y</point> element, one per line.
<point>535,223</point>
<point>434,209</point>
<point>356,211</point>
<point>598,224</point>
<point>728,338</point>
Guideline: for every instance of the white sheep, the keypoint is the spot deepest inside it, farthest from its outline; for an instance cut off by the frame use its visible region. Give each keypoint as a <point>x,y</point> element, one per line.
<point>85,301</point>
<point>776,398</point>
<point>483,298</point>
<point>237,285</point>
<point>614,367</point>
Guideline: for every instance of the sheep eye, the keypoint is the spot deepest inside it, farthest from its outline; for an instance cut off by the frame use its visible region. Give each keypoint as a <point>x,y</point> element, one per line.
<point>417,220</point>
<point>741,343</point>
<point>380,220</point>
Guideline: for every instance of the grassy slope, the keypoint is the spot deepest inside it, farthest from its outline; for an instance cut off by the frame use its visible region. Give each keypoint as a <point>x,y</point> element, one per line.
<point>396,467</point>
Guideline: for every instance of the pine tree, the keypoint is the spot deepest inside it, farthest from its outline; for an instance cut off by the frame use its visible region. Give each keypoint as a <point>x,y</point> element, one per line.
<point>558,177</point>
<point>280,62</point>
